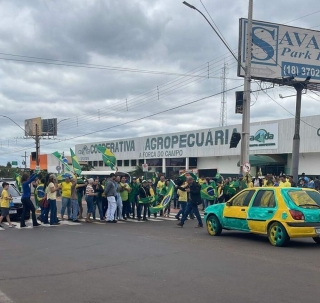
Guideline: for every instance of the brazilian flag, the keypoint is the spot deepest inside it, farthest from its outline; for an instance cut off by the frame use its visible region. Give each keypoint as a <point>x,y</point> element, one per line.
<point>75,163</point>
<point>108,157</point>
<point>165,201</point>
<point>208,192</point>
<point>184,176</point>
<point>148,200</point>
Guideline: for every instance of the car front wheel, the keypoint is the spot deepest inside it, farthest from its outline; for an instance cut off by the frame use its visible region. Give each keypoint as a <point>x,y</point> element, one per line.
<point>316,239</point>
<point>214,227</point>
<point>278,235</point>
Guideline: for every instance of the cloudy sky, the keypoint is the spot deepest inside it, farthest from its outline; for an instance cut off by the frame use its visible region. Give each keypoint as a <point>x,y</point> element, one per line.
<point>163,38</point>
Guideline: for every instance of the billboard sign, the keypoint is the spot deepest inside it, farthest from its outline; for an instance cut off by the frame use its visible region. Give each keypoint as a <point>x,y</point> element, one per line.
<point>280,51</point>
<point>31,126</point>
<point>49,127</point>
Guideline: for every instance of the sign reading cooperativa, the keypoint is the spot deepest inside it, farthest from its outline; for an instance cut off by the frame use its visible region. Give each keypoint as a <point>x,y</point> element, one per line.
<point>201,143</point>
<point>281,51</point>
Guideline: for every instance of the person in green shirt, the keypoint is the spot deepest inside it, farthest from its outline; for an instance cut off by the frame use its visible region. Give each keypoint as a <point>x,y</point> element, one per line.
<point>125,189</point>
<point>133,196</point>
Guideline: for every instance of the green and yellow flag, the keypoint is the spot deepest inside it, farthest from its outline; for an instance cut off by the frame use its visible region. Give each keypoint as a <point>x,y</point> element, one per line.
<point>184,176</point>
<point>148,200</point>
<point>207,192</point>
<point>75,163</point>
<point>17,178</point>
<point>63,160</point>
<point>108,157</point>
<point>165,201</point>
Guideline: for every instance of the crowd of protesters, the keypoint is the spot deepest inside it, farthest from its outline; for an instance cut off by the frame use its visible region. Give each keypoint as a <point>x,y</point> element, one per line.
<point>117,198</point>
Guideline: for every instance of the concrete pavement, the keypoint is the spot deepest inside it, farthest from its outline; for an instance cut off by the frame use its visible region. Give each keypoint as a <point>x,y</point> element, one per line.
<point>153,262</point>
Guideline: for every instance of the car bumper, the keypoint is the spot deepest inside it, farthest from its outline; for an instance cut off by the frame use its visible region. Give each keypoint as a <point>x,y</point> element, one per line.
<point>303,230</point>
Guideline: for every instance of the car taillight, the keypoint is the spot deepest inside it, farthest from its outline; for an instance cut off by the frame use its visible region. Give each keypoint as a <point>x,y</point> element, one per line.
<point>296,215</point>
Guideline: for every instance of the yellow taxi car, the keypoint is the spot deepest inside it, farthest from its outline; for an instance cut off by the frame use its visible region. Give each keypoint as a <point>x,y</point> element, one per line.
<point>279,213</point>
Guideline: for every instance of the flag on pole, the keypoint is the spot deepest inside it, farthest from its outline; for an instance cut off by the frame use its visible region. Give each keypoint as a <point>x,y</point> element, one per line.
<point>108,157</point>
<point>75,163</point>
<point>17,178</point>
<point>62,159</point>
<point>165,201</point>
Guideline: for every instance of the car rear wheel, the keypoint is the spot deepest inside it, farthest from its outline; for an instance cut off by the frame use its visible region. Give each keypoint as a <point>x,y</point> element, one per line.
<point>316,239</point>
<point>214,227</point>
<point>278,235</point>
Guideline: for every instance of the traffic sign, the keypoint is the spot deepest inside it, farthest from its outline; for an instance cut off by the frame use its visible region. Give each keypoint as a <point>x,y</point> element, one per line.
<point>145,167</point>
<point>14,163</point>
<point>246,167</point>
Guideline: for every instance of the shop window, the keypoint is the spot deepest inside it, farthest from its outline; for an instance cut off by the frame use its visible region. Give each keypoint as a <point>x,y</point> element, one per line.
<point>133,162</point>
<point>193,162</point>
<point>95,163</point>
<point>141,161</point>
<point>126,163</point>
<point>154,162</point>
<point>100,163</point>
<point>119,162</point>
<point>176,162</point>
<point>89,163</point>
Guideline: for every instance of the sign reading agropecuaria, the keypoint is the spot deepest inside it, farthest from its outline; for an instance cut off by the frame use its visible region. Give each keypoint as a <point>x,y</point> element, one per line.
<point>189,144</point>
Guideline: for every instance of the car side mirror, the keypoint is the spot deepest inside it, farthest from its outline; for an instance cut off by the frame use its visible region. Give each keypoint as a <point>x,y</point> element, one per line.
<point>229,203</point>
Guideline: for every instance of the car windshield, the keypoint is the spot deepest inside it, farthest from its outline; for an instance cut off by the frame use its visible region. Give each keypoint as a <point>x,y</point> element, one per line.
<point>305,198</point>
<point>12,191</point>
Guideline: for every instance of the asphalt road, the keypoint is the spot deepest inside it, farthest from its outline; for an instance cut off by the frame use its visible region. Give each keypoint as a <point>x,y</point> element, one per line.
<point>153,262</point>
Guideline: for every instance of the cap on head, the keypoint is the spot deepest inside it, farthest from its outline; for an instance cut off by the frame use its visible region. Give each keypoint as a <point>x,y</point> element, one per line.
<point>144,181</point>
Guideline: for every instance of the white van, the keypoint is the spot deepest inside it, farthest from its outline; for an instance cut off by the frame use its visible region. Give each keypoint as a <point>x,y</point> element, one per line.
<point>102,174</point>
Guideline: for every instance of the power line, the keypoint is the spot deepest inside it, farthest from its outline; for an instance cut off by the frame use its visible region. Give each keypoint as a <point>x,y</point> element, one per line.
<point>137,119</point>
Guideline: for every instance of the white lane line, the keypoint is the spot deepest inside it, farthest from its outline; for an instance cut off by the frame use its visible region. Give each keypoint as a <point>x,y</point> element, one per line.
<point>4,298</point>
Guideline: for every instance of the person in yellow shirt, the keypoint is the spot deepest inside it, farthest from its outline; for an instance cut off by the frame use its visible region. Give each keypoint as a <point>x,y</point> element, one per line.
<point>183,199</point>
<point>66,197</point>
<point>284,182</point>
<point>5,204</point>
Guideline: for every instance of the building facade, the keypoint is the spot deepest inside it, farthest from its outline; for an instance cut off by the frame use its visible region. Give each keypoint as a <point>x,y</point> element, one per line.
<point>207,150</point>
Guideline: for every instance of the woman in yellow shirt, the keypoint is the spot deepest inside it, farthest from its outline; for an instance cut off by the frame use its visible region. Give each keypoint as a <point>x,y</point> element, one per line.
<point>5,204</point>
<point>183,199</point>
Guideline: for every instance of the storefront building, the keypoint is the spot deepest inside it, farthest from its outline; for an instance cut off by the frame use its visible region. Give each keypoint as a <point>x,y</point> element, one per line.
<point>207,150</point>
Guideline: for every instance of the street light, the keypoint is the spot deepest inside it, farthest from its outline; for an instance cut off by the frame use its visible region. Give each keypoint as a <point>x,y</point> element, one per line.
<point>244,157</point>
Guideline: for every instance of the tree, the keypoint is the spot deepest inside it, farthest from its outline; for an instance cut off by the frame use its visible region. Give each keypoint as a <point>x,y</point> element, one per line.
<point>9,165</point>
<point>138,172</point>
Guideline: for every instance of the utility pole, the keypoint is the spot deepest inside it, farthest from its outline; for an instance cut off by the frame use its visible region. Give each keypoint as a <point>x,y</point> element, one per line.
<point>62,166</point>
<point>244,157</point>
<point>25,160</point>
<point>223,108</point>
<point>300,86</point>
<point>37,138</point>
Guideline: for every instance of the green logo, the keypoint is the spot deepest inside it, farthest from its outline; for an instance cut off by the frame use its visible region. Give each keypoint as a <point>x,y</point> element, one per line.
<point>262,136</point>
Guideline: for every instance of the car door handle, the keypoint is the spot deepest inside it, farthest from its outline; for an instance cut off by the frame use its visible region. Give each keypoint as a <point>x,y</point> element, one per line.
<point>243,209</point>
<point>270,211</point>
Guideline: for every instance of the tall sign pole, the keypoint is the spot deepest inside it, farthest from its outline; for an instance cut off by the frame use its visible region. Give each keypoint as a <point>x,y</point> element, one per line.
<point>296,138</point>
<point>244,157</point>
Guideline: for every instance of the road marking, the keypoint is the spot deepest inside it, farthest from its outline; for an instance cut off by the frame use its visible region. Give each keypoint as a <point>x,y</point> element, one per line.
<point>135,221</point>
<point>4,298</point>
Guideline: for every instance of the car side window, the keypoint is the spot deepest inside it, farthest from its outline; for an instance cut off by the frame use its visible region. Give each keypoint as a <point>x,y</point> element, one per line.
<point>264,198</point>
<point>243,199</point>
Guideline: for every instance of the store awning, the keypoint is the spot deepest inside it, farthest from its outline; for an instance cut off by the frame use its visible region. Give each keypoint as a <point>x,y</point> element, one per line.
<point>262,160</point>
